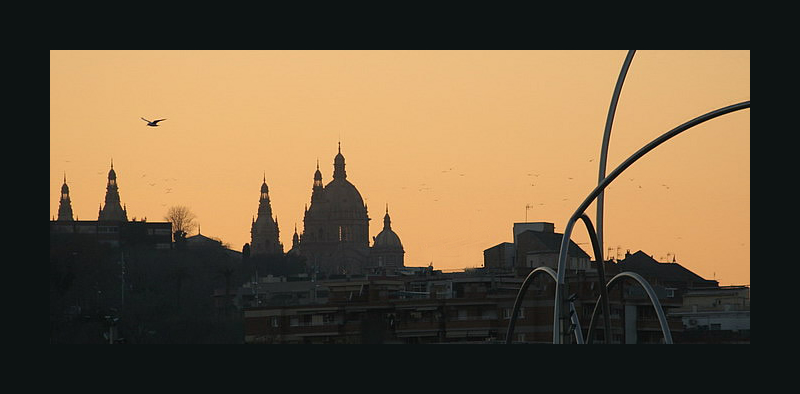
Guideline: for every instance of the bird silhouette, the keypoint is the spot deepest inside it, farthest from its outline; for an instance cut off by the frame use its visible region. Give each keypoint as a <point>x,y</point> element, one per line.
<point>153,123</point>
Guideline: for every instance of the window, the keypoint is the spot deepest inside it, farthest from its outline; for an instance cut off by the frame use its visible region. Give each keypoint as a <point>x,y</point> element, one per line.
<point>508,311</point>
<point>275,322</point>
<point>344,233</point>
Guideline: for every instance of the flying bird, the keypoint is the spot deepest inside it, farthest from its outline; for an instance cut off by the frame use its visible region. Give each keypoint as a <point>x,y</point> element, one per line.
<point>152,123</point>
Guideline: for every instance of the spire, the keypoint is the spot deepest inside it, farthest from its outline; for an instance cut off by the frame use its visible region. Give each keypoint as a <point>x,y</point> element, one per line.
<point>264,190</point>
<point>113,209</point>
<point>317,187</point>
<point>387,222</point>
<point>264,207</point>
<point>264,227</point>
<point>65,205</point>
<point>338,165</point>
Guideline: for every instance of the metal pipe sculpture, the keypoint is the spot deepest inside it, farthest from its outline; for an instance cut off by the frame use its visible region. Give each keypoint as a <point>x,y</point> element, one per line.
<point>548,270</point>
<point>559,316</point>
<point>518,302</point>
<point>662,319</point>
<point>560,313</point>
<point>612,109</point>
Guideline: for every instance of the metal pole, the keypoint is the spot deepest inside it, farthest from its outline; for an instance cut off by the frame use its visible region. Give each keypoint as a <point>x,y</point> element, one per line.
<point>601,281</point>
<point>612,109</point>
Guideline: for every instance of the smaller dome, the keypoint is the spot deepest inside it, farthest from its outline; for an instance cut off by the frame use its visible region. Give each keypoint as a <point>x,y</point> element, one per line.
<point>64,188</point>
<point>264,188</point>
<point>387,238</point>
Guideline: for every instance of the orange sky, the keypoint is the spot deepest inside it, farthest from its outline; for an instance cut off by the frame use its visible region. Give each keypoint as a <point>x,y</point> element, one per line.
<point>456,142</point>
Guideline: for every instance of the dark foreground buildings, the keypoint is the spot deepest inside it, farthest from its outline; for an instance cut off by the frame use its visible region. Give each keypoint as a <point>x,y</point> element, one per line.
<point>422,305</point>
<point>114,280</point>
<point>118,281</point>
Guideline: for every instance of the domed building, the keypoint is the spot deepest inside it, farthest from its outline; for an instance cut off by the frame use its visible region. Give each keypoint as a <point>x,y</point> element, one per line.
<point>387,250</point>
<point>335,235</point>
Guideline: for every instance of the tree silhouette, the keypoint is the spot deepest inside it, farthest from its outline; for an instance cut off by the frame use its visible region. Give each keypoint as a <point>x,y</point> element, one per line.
<point>181,217</point>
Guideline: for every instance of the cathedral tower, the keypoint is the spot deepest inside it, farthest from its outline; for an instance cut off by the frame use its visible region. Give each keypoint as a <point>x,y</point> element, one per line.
<point>264,233</point>
<point>65,205</point>
<point>112,211</point>
<point>336,226</point>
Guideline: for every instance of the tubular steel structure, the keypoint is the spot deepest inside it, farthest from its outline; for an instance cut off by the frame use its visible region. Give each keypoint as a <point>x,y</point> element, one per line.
<point>612,109</point>
<point>662,319</point>
<point>562,312</point>
<point>524,289</point>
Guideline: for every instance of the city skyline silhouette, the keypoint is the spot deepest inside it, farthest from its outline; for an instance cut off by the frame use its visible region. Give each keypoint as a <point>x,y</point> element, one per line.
<point>460,144</point>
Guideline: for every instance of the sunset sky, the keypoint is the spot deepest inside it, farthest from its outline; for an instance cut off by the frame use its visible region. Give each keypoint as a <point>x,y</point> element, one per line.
<point>457,143</point>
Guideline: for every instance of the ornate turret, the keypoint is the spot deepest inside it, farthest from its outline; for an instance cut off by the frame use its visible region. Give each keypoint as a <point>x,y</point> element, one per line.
<point>65,205</point>
<point>264,233</point>
<point>338,165</point>
<point>317,188</point>
<point>113,209</point>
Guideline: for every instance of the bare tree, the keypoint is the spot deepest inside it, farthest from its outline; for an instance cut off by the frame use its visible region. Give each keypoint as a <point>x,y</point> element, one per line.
<point>181,217</point>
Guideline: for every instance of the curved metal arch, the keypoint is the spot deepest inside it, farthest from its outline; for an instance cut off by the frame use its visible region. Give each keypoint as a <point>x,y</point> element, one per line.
<point>559,317</point>
<point>612,109</point>
<point>662,319</point>
<point>521,294</point>
<point>601,279</point>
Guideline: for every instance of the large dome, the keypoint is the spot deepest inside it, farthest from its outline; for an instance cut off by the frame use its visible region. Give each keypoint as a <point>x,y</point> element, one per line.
<point>342,196</point>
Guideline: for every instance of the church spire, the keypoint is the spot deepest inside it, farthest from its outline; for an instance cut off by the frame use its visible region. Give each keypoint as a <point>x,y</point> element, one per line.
<point>317,188</point>
<point>112,209</point>
<point>264,207</point>
<point>264,233</point>
<point>387,221</point>
<point>65,205</point>
<point>338,165</point>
